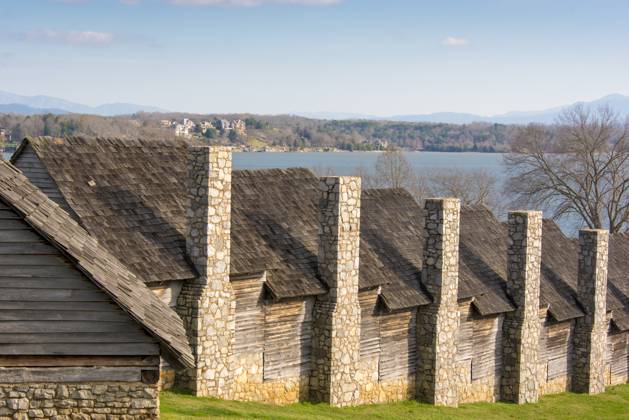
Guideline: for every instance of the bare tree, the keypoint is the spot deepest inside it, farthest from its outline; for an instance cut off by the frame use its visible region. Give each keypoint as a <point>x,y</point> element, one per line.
<point>473,188</point>
<point>578,167</point>
<point>392,170</point>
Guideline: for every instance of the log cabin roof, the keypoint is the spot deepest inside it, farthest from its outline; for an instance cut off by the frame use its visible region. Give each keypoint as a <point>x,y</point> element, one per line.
<point>130,195</point>
<point>562,261</point>
<point>391,224</point>
<point>95,262</point>
<point>617,283</point>
<point>484,243</point>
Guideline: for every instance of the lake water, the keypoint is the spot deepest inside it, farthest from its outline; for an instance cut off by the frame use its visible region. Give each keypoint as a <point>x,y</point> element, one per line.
<point>346,163</point>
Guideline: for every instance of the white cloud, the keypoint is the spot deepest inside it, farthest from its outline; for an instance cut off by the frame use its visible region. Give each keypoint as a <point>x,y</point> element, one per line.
<point>249,3</point>
<point>70,37</point>
<point>130,2</point>
<point>455,41</point>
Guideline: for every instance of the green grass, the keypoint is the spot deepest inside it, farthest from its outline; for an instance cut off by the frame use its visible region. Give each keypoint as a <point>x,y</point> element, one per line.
<point>613,404</point>
<point>256,142</point>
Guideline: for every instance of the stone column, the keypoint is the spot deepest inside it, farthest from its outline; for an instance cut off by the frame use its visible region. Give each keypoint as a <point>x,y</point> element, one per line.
<point>207,304</point>
<point>521,327</point>
<point>590,331</point>
<point>437,323</point>
<point>336,323</point>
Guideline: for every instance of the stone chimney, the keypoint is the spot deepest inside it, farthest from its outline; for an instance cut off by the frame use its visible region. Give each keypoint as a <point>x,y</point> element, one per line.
<point>590,331</point>
<point>206,304</point>
<point>437,323</point>
<point>336,318</point>
<point>521,327</point>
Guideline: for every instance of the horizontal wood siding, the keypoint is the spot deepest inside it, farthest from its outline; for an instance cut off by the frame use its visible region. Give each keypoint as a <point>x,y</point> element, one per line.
<point>72,374</point>
<point>464,333</point>
<point>369,324</point>
<point>249,316</point>
<point>542,355</point>
<point>486,346</point>
<point>31,166</point>
<point>558,348</point>
<point>619,354</point>
<point>48,307</point>
<point>399,347</point>
<point>287,338</point>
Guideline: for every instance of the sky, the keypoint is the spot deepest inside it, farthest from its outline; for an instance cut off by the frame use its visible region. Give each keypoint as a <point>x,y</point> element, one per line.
<point>379,57</point>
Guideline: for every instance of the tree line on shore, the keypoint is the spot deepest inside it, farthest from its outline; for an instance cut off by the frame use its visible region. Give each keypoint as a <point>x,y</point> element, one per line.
<point>285,131</point>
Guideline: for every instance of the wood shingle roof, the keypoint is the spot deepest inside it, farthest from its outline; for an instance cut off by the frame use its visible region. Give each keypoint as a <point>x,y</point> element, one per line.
<point>95,262</point>
<point>130,194</point>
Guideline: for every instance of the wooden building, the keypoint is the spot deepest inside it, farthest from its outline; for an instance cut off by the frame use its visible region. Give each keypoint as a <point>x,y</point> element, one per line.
<point>79,333</point>
<point>131,196</point>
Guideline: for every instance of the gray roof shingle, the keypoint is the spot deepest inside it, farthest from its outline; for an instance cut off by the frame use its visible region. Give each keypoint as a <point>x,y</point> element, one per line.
<point>95,261</point>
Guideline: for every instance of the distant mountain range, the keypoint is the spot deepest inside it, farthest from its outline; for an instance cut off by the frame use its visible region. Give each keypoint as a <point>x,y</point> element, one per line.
<point>619,103</point>
<point>31,105</point>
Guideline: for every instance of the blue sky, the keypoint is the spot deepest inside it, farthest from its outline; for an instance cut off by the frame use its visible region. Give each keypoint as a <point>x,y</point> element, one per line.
<point>360,56</point>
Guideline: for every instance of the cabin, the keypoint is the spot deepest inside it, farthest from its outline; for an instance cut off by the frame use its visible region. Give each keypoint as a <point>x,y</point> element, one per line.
<point>79,333</point>
<point>267,268</point>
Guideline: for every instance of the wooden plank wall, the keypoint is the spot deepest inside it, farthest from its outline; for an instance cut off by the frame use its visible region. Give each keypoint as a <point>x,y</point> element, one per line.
<point>48,307</point>
<point>369,325</point>
<point>486,346</point>
<point>479,342</point>
<point>287,338</point>
<point>53,369</point>
<point>557,347</point>
<point>390,338</point>
<point>31,166</point>
<point>618,354</point>
<point>249,316</point>
<point>398,354</point>
<point>465,333</point>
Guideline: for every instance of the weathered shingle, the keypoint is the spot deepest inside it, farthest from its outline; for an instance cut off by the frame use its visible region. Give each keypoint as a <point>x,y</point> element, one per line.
<point>618,280</point>
<point>99,265</point>
<point>391,227</point>
<point>130,194</point>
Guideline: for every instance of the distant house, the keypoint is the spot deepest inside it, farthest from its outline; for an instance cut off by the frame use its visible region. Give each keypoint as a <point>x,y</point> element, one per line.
<point>238,126</point>
<point>295,288</point>
<point>181,130</point>
<point>206,125</point>
<point>185,129</point>
<point>5,135</point>
<point>80,335</point>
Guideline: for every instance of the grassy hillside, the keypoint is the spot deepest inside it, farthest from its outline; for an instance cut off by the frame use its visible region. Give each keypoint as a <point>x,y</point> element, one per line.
<point>613,404</point>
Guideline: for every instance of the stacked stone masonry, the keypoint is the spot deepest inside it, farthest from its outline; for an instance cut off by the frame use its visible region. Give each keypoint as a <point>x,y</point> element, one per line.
<point>79,401</point>
<point>207,304</point>
<point>520,383</point>
<point>591,330</point>
<point>438,322</point>
<point>336,318</point>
